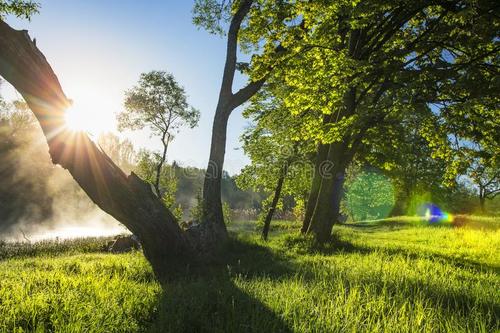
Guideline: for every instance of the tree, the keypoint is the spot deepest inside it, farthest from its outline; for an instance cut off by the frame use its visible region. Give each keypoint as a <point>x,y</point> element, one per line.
<point>125,197</point>
<point>484,171</point>
<point>146,169</point>
<point>399,149</point>
<point>279,163</point>
<point>159,103</point>
<point>374,58</point>
<point>249,29</point>
<point>369,195</point>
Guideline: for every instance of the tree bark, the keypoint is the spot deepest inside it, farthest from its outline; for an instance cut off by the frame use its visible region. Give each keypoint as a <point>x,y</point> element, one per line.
<point>327,206</point>
<point>274,203</point>
<point>482,200</point>
<point>128,199</point>
<point>213,218</point>
<point>212,204</point>
<point>321,157</point>
<point>160,164</point>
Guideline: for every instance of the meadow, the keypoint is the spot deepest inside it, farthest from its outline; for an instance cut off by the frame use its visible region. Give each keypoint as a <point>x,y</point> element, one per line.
<point>396,275</point>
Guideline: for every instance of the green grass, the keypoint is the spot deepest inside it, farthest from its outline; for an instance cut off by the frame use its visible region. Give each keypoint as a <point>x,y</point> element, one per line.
<point>386,276</point>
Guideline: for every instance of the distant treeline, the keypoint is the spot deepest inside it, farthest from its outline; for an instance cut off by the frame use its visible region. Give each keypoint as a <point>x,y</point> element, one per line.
<point>35,192</point>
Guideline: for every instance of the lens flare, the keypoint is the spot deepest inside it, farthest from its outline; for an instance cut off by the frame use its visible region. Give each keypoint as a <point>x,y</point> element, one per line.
<point>434,214</point>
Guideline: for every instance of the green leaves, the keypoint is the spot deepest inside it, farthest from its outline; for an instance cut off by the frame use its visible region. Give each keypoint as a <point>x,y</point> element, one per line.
<point>159,103</point>
<point>19,8</point>
<point>211,15</point>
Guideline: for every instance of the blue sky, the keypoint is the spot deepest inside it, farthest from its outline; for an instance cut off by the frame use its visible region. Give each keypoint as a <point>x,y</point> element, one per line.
<point>99,48</point>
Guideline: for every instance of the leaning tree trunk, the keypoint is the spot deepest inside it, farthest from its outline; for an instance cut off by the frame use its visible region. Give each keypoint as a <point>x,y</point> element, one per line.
<point>127,198</point>
<point>274,203</point>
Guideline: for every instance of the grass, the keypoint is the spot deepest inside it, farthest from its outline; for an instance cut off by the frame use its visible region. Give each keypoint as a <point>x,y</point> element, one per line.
<point>385,276</point>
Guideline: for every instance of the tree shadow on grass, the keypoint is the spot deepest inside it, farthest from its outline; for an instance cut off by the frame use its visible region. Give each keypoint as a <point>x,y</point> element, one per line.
<point>207,299</point>
<point>338,245</point>
<point>395,225</point>
<point>211,299</point>
<point>446,300</point>
<point>375,226</point>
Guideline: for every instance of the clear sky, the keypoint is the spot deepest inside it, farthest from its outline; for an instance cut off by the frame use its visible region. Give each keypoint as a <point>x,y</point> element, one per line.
<point>98,48</point>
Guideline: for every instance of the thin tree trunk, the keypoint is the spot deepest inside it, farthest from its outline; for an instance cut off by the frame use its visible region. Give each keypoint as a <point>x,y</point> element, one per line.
<point>160,164</point>
<point>213,218</point>
<point>212,204</point>
<point>482,200</point>
<point>127,198</point>
<point>321,157</point>
<point>274,203</point>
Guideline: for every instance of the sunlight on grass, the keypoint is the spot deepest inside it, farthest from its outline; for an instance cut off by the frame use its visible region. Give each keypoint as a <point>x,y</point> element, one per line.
<point>405,279</point>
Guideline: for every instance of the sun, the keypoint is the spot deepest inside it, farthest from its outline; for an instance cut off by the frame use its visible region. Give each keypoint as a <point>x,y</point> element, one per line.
<point>76,120</point>
<point>88,119</point>
<point>90,116</point>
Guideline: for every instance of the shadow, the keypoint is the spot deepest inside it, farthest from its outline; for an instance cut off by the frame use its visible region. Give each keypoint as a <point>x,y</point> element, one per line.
<point>208,298</point>
<point>394,225</point>
<point>337,245</point>
<point>219,298</point>
<point>374,226</point>
<point>449,301</point>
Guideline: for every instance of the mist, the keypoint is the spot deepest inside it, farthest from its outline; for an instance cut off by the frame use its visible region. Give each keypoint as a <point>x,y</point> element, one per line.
<point>39,200</point>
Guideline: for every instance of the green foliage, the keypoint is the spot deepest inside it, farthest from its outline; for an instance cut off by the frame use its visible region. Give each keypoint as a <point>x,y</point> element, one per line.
<point>483,168</point>
<point>19,8</point>
<point>159,103</point>
<point>399,148</point>
<point>211,15</point>
<point>274,151</point>
<point>196,211</point>
<point>228,213</point>
<point>353,67</point>
<point>429,279</point>
<point>146,169</point>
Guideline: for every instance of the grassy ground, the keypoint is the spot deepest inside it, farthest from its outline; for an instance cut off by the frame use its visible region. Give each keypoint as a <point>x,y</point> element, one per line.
<point>394,276</point>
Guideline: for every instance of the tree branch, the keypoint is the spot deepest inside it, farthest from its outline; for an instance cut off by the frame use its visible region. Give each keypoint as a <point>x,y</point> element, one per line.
<point>232,47</point>
<point>244,94</point>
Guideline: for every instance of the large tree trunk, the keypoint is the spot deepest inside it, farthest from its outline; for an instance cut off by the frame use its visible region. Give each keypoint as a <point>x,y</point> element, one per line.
<point>327,207</point>
<point>321,157</point>
<point>127,198</point>
<point>274,203</point>
<point>213,218</point>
